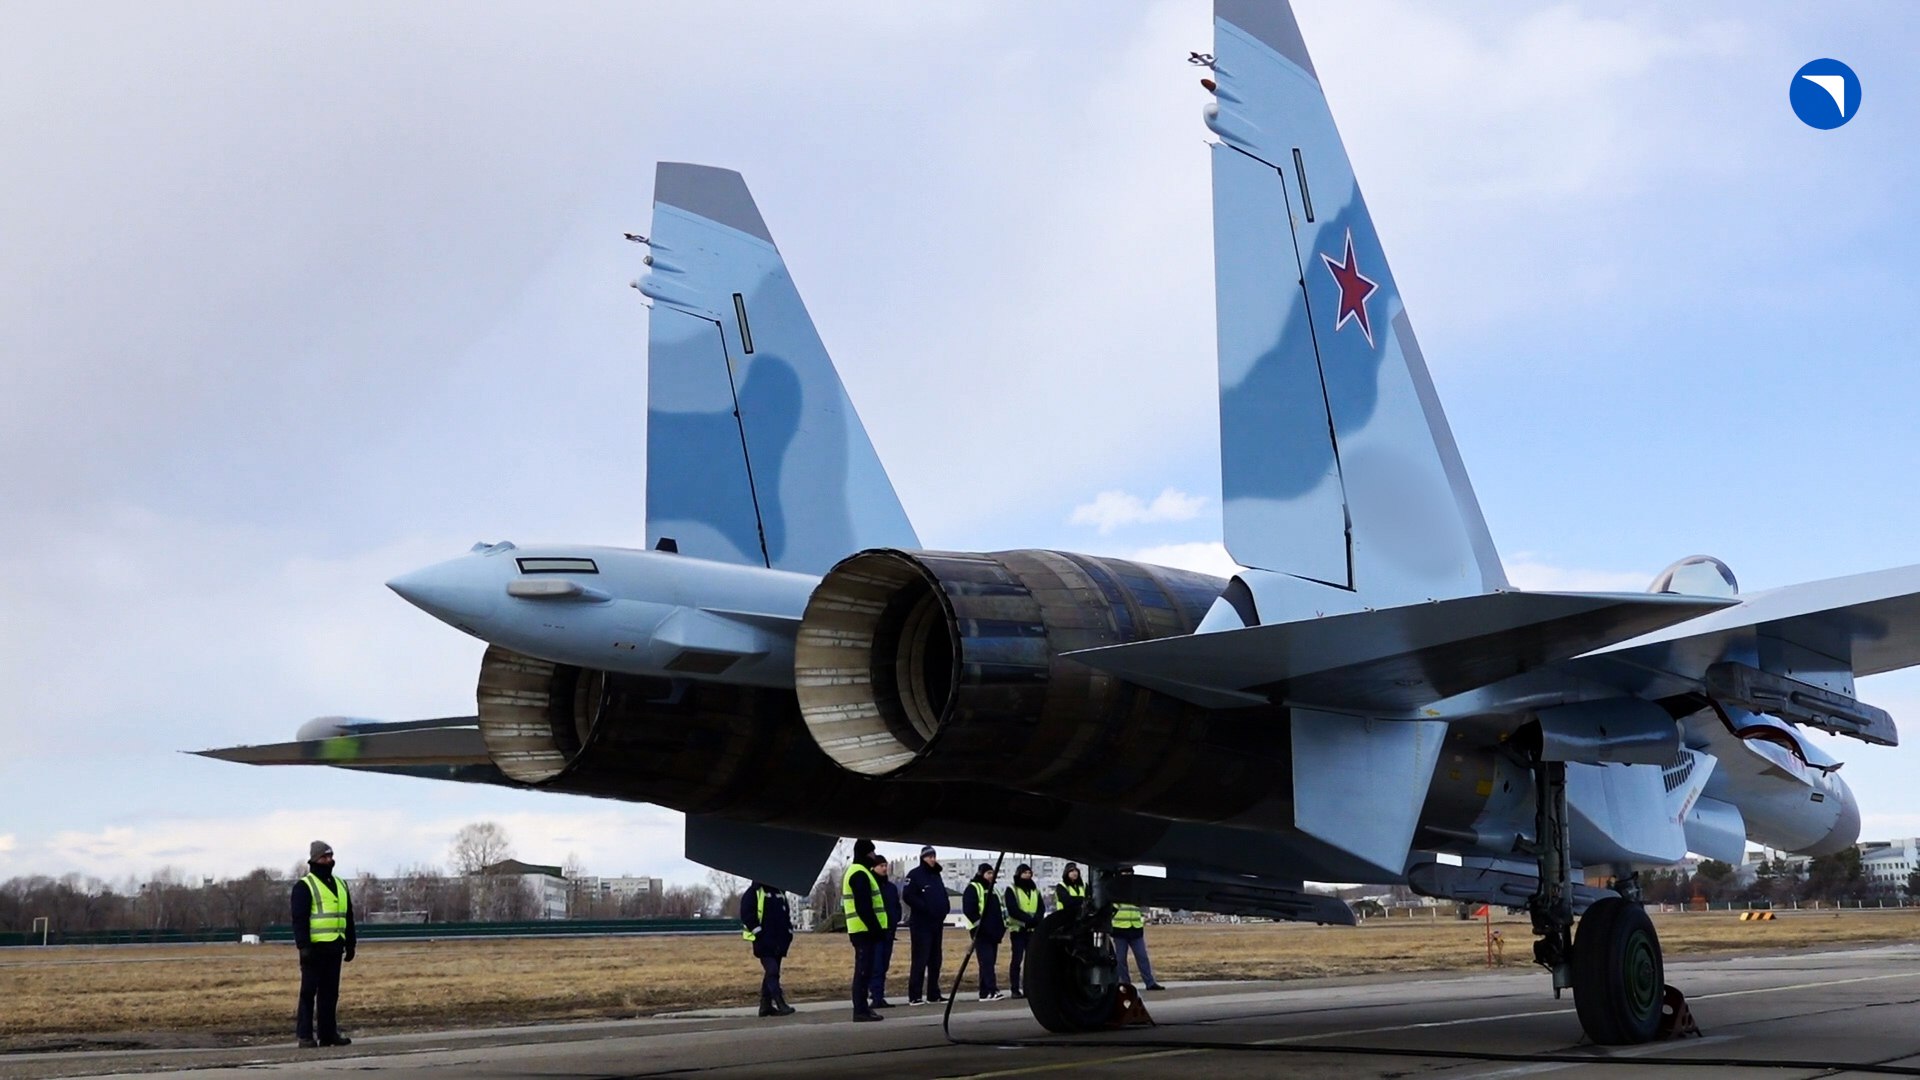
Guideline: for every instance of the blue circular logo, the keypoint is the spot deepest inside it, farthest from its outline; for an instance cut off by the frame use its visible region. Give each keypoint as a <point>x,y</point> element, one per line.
<point>1825,94</point>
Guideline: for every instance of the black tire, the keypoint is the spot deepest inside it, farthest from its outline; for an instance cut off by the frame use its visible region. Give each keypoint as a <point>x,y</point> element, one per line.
<point>1618,977</point>
<point>1064,991</point>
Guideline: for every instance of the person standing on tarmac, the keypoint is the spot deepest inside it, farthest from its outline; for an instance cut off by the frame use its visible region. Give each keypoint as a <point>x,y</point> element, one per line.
<point>1071,892</point>
<point>322,919</point>
<point>765,921</point>
<point>988,924</point>
<point>1130,935</point>
<point>866,918</point>
<point>1024,909</point>
<point>926,897</point>
<point>883,947</point>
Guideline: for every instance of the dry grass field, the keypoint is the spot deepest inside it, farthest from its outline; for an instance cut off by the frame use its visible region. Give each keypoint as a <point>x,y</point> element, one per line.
<point>238,994</point>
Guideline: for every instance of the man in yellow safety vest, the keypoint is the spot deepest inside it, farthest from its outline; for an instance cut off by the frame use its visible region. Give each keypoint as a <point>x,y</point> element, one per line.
<point>866,921</point>
<point>322,917</point>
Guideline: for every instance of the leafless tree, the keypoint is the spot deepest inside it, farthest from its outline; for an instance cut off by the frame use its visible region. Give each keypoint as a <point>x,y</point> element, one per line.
<point>479,845</point>
<point>726,892</point>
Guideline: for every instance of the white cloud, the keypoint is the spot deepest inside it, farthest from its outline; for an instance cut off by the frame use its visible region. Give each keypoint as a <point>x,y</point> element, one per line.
<point>1110,510</point>
<point>1526,571</point>
<point>1203,557</point>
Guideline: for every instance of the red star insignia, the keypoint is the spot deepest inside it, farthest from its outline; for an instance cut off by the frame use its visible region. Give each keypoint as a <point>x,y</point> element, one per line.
<point>1355,287</point>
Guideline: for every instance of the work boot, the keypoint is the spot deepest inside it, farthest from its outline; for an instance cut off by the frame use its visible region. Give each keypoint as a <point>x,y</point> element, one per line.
<point>780,1005</point>
<point>861,1018</point>
<point>766,1006</point>
<point>337,1040</point>
<point>309,1044</point>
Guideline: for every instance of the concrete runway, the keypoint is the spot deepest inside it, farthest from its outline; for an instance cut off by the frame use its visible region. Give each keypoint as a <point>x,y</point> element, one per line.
<point>1856,1006</point>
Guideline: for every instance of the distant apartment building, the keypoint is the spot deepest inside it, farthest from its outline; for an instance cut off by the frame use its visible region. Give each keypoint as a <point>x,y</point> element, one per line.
<point>1889,863</point>
<point>546,884</point>
<point>618,888</point>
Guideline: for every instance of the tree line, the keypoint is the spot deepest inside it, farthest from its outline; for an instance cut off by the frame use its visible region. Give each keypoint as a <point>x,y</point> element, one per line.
<point>171,899</point>
<point>1831,879</point>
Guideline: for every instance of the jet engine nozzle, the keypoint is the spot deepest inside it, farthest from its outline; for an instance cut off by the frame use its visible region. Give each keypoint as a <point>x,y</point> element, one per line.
<point>931,665</point>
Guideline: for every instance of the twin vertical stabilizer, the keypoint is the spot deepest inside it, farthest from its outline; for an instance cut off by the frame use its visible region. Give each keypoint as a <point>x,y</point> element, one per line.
<point>1337,465</point>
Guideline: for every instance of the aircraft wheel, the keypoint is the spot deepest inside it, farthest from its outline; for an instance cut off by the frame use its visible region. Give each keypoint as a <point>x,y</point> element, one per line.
<point>1618,978</point>
<point>1070,977</point>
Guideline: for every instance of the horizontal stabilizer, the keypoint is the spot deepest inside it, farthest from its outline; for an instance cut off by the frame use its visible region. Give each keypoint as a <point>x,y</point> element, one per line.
<point>1392,661</point>
<point>413,746</point>
<point>1868,623</point>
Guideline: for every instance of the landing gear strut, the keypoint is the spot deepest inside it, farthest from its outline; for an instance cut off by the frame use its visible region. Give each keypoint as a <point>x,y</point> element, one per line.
<point>1071,978</point>
<point>1613,966</point>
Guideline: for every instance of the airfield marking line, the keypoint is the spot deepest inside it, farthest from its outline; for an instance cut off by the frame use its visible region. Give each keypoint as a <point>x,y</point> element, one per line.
<point>1638,1051</point>
<point>1062,1066</point>
<point>1065,1065</point>
<point>1808,986</point>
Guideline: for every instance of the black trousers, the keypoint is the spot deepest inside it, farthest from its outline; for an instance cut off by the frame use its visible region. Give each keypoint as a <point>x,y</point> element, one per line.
<point>769,978</point>
<point>988,954</point>
<point>320,992</point>
<point>923,971</point>
<point>1019,954</point>
<point>863,944</point>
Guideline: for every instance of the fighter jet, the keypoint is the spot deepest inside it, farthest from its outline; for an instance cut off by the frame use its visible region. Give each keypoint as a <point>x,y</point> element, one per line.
<point>1370,700</point>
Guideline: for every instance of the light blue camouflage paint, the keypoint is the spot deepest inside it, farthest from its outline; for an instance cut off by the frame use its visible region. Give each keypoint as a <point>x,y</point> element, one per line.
<point>1337,464</point>
<point>755,454</point>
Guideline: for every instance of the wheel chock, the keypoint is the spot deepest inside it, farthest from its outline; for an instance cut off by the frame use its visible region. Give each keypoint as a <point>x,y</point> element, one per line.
<point>1676,1019</point>
<point>1128,1009</point>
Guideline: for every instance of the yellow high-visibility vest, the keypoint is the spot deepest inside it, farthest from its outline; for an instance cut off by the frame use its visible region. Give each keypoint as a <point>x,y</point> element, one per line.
<point>856,924</point>
<point>1028,901</point>
<point>1128,917</point>
<point>986,896</point>
<point>760,915</point>
<point>327,919</point>
<point>1075,892</point>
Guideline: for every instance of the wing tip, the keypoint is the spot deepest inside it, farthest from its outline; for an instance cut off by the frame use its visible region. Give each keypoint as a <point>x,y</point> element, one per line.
<point>711,192</point>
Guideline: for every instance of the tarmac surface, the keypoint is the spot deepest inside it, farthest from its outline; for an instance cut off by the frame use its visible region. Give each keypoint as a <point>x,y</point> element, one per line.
<point>1826,1010</point>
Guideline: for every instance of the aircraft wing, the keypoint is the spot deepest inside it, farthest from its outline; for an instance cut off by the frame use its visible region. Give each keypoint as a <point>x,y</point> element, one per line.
<point>1392,661</point>
<point>1869,623</point>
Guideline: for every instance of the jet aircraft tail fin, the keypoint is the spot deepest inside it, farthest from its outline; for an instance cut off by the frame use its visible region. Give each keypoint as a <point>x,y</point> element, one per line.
<point>1337,464</point>
<point>754,452</point>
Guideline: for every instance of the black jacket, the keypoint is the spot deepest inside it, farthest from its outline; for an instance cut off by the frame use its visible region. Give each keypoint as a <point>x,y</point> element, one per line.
<point>890,902</point>
<point>774,933</point>
<point>981,904</point>
<point>302,907</point>
<point>926,894</point>
<point>1016,923</point>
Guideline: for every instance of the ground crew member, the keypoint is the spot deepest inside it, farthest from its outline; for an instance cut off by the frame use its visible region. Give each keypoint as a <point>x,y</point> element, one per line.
<point>322,919</point>
<point>926,897</point>
<point>1130,935</point>
<point>765,921</point>
<point>1024,910</point>
<point>883,948</point>
<point>860,902</point>
<point>987,924</point>
<point>1071,892</point>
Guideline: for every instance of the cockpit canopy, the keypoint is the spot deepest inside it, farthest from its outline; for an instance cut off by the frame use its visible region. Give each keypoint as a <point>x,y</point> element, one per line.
<point>1697,575</point>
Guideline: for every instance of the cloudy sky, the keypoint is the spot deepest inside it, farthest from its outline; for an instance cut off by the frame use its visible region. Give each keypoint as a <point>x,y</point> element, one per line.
<point>295,299</point>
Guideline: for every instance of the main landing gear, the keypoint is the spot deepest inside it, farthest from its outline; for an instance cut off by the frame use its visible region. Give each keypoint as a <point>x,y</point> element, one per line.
<point>1613,964</point>
<point>1072,979</point>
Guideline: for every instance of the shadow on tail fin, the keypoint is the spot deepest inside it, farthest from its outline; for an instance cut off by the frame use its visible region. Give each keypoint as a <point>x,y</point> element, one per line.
<point>1337,465</point>
<point>754,452</point>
